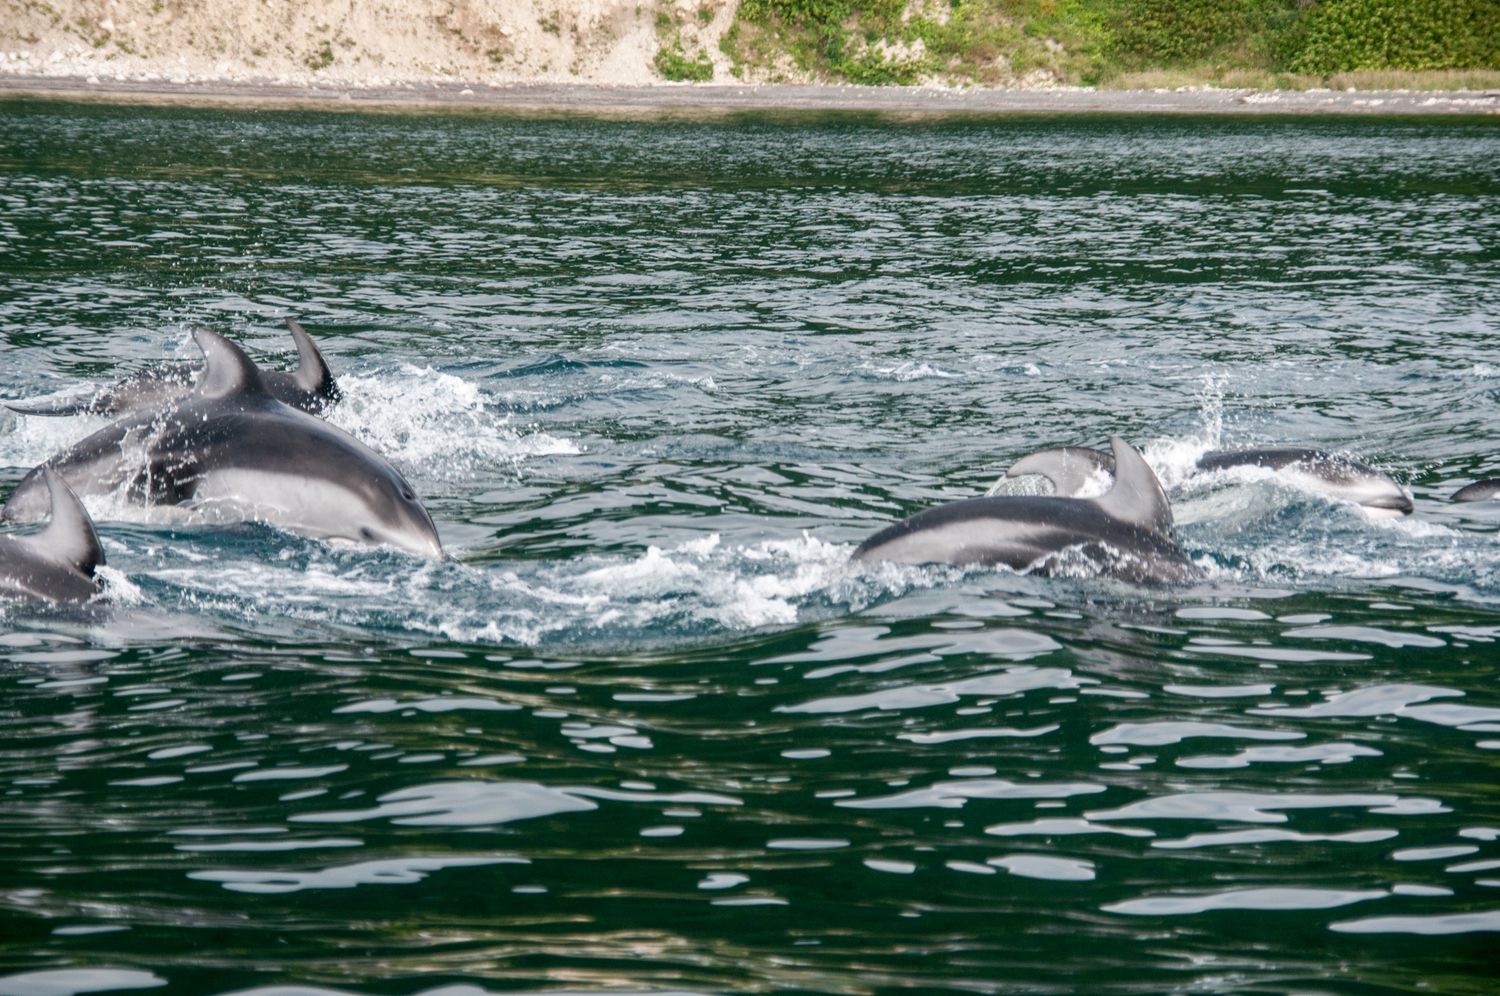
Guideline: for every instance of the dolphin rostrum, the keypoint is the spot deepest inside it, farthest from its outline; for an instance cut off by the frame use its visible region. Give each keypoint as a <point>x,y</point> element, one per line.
<point>1479,491</point>
<point>310,387</point>
<point>1069,467</point>
<point>229,451</point>
<point>57,563</point>
<point>1124,533</point>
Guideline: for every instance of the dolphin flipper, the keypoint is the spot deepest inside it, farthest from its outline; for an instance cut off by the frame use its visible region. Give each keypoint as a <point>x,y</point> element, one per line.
<point>1137,497</point>
<point>58,563</point>
<point>69,536</point>
<point>312,376</point>
<point>47,407</point>
<point>227,371</point>
<point>1069,468</point>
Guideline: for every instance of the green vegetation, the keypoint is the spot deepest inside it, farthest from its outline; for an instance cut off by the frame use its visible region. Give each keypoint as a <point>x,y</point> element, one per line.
<point>1111,42</point>
<point>322,57</point>
<point>1401,34</point>
<point>677,59</point>
<point>674,64</point>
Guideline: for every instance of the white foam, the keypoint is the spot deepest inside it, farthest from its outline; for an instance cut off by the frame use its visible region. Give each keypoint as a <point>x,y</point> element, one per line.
<point>910,370</point>
<point>1174,461</point>
<point>118,588</point>
<point>418,417</point>
<point>735,588</point>
<point>699,586</point>
<point>27,440</point>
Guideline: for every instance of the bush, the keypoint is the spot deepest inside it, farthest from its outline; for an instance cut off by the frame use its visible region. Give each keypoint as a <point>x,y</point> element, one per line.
<point>1173,32</point>
<point>1344,35</point>
<point>673,64</point>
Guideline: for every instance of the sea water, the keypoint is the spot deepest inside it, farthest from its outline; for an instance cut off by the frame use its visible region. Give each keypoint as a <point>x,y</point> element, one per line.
<point>646,728</point>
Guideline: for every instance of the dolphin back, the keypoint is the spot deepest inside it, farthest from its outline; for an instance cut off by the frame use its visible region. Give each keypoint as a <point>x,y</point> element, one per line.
<point>1125,533</point>
<point>1069,468</point>
<point>1329,466</point>
<point>1329,473</point>
<point>48,407</point>
<point>311,387</point>
<point>1479,491</point>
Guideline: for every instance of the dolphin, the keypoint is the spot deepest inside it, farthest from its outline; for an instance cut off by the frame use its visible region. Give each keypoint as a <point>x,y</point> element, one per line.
<point>310,387</point>
<point>58,563</point>
<point>1124,533</point>
<point>229,451</point>
<point>1069,467</point>
<point>1479,491</point>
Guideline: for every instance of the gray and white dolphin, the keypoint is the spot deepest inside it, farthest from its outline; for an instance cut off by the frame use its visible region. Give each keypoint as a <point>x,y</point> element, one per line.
<point>58,563</point>
<point>230,452</point>
<point>1124,533</point>
<point>1479,491</point>
<point>310,387</point>
<point>1070,467</point>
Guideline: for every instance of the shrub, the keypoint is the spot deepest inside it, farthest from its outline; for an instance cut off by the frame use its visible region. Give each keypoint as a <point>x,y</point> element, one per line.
<point>675,65</point>
<point>1173,32</point>
<point>1344,35</point>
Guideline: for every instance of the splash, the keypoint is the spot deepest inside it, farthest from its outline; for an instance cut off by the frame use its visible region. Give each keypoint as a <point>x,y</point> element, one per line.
<point>908,371</point>
<point>698,588</point>
<point>1211,408</point>
<point>419,417</point>
<point>27,440</point>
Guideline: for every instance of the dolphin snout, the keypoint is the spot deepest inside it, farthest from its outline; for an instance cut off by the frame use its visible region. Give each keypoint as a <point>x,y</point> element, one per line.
<point>1398,504</point>
<point>414,530</point>
<point>418,537</point>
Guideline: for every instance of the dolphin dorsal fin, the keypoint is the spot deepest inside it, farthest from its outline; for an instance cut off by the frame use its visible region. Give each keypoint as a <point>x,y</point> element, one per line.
<point>1067,467</point>
<point>1137,497</point>
<point>69,537</point>
<point>312,375</point>
<point>227,371</point>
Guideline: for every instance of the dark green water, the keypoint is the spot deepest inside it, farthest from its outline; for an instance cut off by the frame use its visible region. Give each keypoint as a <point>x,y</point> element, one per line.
<point>648,729</point>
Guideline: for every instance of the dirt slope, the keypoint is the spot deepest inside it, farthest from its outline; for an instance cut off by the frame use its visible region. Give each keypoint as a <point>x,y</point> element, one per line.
<point>360,42</point>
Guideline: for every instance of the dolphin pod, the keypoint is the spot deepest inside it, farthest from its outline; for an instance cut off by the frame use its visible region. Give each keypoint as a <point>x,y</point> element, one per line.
<point>1124,533</point>
<point>1069,468</point>
<point>58,562</point>
<point>310,387</point>
<point>229,451</point>
<point>234,443</point>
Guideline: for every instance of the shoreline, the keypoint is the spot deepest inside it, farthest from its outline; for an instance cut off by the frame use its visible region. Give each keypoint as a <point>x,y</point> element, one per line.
<point>675,99</point>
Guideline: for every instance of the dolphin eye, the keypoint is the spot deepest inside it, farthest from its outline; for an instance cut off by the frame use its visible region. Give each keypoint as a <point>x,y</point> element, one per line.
<point>408,495</point>
<point>365,533</point>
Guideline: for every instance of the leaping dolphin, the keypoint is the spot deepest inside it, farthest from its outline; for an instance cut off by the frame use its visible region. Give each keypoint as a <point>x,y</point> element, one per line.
<point>1124,533</point>
<point>229,451</point>
<point>310,387</point>
<point>58,563</point>
<point>1479,491</point>
<point>1070,467</point>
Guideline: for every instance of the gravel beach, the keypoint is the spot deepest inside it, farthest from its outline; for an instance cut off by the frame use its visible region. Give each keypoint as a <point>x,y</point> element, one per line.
<point>671,98</point>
